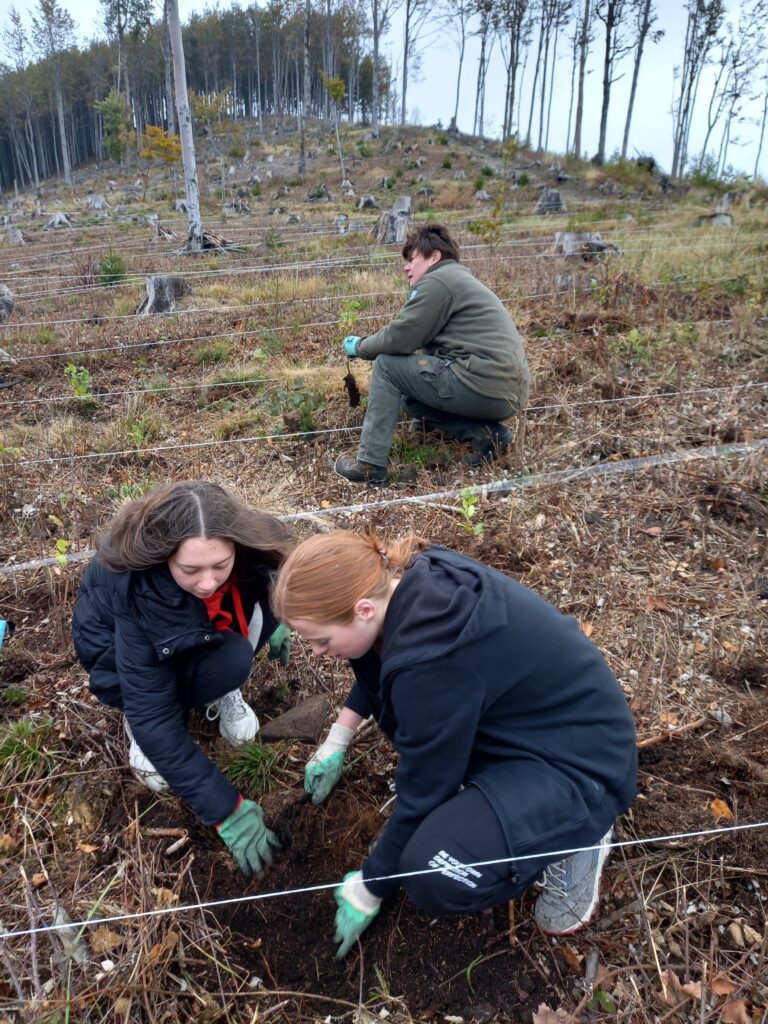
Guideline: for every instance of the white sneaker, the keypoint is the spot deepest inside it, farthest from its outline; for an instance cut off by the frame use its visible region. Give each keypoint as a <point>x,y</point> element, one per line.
<point>141,766</point>
<point>237,721</point>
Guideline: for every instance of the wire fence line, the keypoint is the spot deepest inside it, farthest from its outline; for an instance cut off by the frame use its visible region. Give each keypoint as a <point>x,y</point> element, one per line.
<point>76,927</point>
<point>356,262</point>
<point>484,490</point>
<point>32,274</point>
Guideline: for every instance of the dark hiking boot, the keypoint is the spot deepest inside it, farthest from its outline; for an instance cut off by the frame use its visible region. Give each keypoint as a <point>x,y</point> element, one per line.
<point>358,472</point>
<point>496,441</point>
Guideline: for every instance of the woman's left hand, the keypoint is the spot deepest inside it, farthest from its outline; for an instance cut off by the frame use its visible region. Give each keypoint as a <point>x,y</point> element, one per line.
<point>280,645</point>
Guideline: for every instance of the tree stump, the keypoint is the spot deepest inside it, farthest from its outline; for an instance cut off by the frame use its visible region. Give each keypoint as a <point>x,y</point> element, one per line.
<point>7,302</point>
<point>162,292</point>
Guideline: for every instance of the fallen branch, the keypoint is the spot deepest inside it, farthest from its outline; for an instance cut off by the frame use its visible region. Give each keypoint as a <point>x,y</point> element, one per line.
<point>670,734</point>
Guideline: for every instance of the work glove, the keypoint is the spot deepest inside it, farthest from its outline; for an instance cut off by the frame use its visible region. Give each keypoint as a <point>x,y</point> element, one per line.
<point>248,839</point>
<point>280,645</point>
<point>350,346</point>
<point>325,766</point>
<point>357,908</point>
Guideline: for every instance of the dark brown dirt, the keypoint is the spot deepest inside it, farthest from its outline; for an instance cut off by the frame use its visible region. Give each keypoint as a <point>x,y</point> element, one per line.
<point>477,966</point>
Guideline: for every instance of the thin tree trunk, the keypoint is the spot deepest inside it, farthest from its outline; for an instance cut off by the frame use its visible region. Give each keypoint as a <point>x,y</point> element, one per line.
<point>636,74</point>
<point>762,133</point>
<point>535,80</point>
<point>376,29</point>
<point>167,58</point>
<point>583,47</point>
<point>543,97</point>
<point>33,152</point>
<point>551,86</point>
<point>62,128</point>
<point>305,92</point>
<point>607,74</point>
<point>454,119</point>
<point>195,240</point>
<point>406,34</point>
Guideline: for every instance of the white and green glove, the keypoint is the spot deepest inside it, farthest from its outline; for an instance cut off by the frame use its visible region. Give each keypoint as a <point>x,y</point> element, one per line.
<point>357,908</point>
<point>325,766</point>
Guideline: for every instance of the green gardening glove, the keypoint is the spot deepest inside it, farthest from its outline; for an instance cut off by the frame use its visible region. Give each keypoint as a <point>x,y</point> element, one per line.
<point>280,645</point>
<point>248,839</point>
<point>325,766</point>
<point>357,908</point>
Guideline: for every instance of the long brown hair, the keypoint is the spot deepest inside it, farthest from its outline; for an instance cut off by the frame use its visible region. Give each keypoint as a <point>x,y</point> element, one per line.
<point>148,531</point>
<point>324,577</point>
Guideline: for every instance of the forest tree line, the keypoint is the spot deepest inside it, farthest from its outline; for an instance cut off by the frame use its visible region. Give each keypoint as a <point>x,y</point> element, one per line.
<point>287,59</point>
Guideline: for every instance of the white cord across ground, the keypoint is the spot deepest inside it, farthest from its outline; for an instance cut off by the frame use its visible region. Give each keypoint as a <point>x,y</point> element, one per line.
<point>495,487</point>
<point>78,926</point>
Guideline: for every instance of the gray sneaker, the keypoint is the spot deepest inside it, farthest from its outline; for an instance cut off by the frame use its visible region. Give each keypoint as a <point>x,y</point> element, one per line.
<point>571,890</point>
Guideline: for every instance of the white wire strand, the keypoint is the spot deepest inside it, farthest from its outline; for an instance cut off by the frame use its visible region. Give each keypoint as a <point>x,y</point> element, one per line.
<point>254,897</point>
<point>357,262</point>
<point>495,487</point>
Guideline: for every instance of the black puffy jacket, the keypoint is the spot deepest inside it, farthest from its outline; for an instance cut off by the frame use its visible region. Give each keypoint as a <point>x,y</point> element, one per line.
<point>129,628</point>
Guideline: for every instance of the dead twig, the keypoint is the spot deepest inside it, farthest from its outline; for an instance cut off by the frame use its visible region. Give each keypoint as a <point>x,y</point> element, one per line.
<point>670,734</point>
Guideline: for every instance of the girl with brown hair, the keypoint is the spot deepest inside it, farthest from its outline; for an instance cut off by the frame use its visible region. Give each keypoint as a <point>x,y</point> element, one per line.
<point>169,616</point>
<point>515,742</point>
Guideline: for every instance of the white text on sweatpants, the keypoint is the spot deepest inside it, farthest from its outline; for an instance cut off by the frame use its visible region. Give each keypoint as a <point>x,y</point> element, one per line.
<point>452,868</point>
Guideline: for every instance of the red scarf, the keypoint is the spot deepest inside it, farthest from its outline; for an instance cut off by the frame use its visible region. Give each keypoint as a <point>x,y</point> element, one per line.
<point>220,617</point>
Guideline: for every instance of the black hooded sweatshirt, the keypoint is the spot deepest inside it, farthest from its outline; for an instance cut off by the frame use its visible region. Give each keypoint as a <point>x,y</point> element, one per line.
<point>477,672</point>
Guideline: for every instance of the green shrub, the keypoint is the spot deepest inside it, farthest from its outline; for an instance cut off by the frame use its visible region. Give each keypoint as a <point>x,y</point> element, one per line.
<point>364,150</point>
<point>208,353</point>
<point>442,140</point>
<point>272,239</point>
<point>447,163</point>
<point>111,269</point>
<point>523,180</point>
<point>486,171</point>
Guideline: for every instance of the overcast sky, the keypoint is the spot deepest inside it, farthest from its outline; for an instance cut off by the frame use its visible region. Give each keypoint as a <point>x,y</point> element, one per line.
<point>431,98</point>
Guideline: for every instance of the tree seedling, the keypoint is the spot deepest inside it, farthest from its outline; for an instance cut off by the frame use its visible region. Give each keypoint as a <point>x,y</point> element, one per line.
<point>80,379</point>
<point>347,320</point>
<point>468,511</point>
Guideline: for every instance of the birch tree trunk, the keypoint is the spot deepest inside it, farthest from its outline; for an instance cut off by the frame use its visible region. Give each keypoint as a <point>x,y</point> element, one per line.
<point>195,238</point>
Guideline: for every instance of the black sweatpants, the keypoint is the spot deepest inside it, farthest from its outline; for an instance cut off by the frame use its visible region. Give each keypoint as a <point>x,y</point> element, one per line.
<point>203,674</point>
<point>461,832</point>
<point>207,673</point>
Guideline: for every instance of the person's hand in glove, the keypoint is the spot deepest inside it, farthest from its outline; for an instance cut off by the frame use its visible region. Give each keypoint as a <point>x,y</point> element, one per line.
<point>350,346</point>
<point>357,908</point>
<point>325,766</point>
<point>280,645</point>
<point>248,839</point>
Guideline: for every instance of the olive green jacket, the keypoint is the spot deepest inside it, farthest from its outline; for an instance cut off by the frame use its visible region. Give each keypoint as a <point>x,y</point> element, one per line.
<point>452,315</point>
